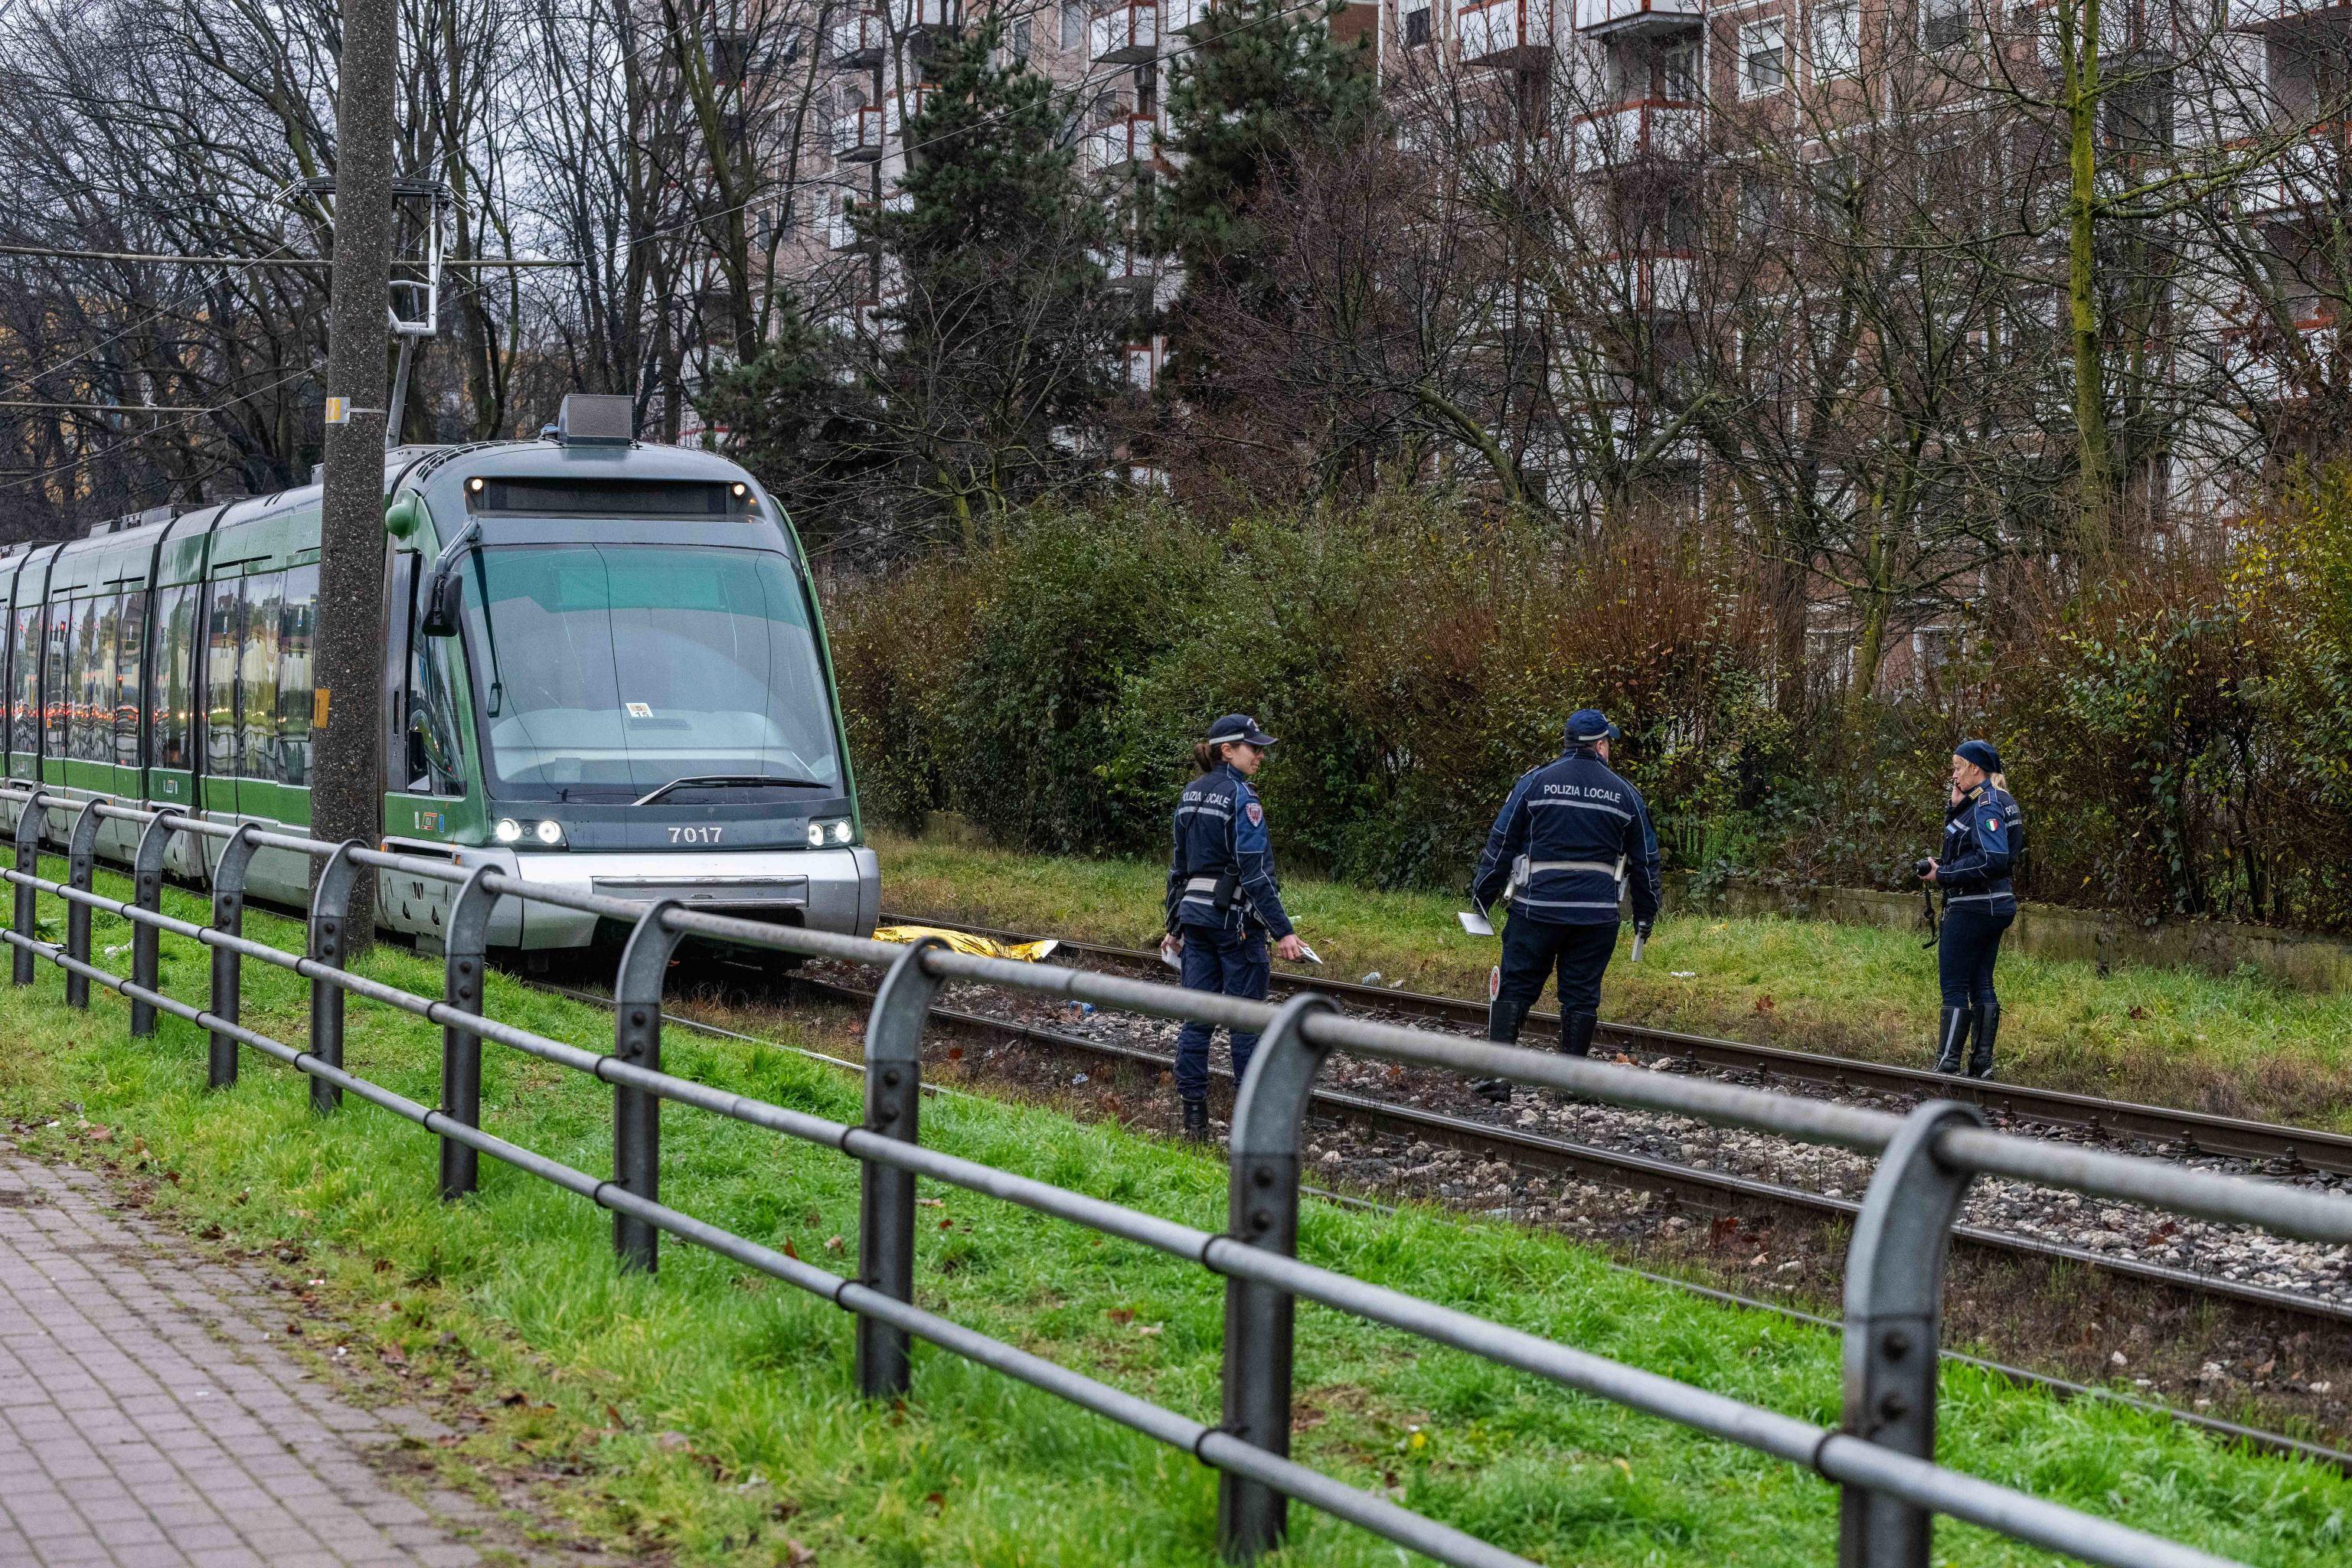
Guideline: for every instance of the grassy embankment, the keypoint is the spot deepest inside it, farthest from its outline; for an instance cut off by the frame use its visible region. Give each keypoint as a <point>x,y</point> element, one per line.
<point>709,1414</point>
<point>2239,1045</point>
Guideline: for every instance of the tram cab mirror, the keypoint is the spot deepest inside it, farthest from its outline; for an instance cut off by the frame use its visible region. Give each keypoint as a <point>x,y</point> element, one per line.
<point>402,516</point>
<point>444,596</point>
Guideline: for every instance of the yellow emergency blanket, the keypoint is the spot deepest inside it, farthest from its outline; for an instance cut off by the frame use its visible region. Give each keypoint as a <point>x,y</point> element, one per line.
<point>964,942</point>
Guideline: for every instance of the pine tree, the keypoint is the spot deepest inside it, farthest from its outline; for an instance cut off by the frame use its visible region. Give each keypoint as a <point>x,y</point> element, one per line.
<point>799,416</point>
<point>1006,331</point>
<point>1262,90</point>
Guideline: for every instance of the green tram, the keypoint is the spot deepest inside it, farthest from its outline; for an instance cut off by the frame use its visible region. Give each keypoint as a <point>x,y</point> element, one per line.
<point>604,669</point>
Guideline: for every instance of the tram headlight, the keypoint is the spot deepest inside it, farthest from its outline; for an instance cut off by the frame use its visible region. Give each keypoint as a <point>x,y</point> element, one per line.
<point>833,830</point>
<point>507,831</point>
<point>549,832</point>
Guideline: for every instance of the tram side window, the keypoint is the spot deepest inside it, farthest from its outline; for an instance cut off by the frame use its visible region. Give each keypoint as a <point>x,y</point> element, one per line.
<point>129,676</point>
<point>25,648</point>
<point>58,633</point>
<point>297,622</point>
<point>264,598</point>
<point>176,616</point>
<point>435,760</point>
<point>223,619</point>
<point>90,675</point>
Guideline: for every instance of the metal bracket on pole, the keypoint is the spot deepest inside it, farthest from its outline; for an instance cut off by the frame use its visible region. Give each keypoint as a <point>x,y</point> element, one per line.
<point>331,906</point>
<point>81,860</point>
<point>636,1113</point>
<point>1262,1210</point>
<point>29,864</point>
<point>886,1195</point>
<point>1893,1319</point>
<point>466,937</point>
<point>229,970</point>
<point>147,893</point>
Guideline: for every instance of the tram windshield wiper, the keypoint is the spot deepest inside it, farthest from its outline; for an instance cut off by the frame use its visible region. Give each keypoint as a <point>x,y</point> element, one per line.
<point>730,781</point>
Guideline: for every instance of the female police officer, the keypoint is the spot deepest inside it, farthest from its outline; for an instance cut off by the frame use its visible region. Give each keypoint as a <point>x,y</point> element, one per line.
<point>1983,833</point>
<point>1223,902</point>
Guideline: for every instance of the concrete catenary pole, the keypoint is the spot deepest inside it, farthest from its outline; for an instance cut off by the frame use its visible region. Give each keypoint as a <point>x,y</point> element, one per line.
<point>347,778</point>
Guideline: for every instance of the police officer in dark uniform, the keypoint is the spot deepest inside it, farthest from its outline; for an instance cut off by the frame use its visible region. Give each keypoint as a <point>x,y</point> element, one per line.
<point>1563,851</point>
<point>1983,833</point>
<point>1224,901</point>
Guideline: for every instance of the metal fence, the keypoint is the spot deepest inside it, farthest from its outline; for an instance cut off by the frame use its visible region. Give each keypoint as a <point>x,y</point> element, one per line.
<point>1882,1457</point>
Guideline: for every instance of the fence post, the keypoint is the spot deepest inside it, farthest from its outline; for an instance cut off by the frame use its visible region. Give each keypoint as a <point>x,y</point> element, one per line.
<point>147,893</point>
<point>885,1196</point>
<point>466,936</point>
<point>636,1113</point>
<point>1262,1210</point>
<point>81,859</point>
<point>331,904</point>
<point>228,968</point>
<point>1893,1321</point>
<point>29,864</point>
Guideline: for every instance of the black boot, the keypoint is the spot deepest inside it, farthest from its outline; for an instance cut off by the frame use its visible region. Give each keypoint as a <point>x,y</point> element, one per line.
<point>1576,1033</point>
<point>1503,1022</point>
<point>1196,1120</point>
<point>1951,1040</point>
<point>1987,1030</point>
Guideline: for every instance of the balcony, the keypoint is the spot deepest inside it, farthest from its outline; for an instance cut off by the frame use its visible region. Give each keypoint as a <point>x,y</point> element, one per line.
<point>1505,32</point>
<point>1125,34</point>
<point>936,16</point>
<point>1133,273</point>
<point>1121,146</point>
<point>859,135</point>
<point>1631,132</point>
<point>1595,18</point>
<point>858,39</point>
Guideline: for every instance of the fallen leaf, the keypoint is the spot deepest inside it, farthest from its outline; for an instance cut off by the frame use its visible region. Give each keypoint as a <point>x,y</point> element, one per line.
<point>673,1442</point>
<point>512,1397</point>
<point>931,1203</point>
<point>796,1555</point>
<point>383,1266</point>
<point>834,1244</point>
<point>1121,1314</point>
<point>613,1415</point>
<point>1764,1002</point>
<point>789,1251</point>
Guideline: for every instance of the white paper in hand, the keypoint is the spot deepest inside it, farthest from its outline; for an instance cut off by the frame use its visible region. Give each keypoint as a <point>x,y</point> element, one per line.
<point>1638,940</point>
<point>1476,923</point>
<point>1308,953</point>
<point>1172,952</point>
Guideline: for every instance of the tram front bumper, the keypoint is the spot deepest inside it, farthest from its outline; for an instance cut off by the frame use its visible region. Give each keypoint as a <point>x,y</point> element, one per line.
<point>822,889</point>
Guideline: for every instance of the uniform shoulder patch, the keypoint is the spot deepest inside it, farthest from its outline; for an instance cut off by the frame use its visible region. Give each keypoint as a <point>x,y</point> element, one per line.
<point>1992,823</point>
<point>1256,814</point>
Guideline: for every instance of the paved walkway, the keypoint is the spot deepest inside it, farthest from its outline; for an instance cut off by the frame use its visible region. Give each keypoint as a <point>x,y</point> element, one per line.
<point>145,1419</point>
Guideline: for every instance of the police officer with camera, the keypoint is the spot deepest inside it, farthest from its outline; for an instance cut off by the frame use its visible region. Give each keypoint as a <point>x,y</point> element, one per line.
<point>1224,901</point>
<point>1983,834</point>
<point>1564,848</point>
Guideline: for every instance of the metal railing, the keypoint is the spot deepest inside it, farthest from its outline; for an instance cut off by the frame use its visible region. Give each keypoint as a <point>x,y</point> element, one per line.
<point>1882,1455</point>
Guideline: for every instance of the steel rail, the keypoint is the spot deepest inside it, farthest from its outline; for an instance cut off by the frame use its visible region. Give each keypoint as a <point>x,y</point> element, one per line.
<point>2196,1131</point>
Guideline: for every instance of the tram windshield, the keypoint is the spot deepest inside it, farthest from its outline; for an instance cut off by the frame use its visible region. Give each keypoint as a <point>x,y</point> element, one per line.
<point>606,671</point>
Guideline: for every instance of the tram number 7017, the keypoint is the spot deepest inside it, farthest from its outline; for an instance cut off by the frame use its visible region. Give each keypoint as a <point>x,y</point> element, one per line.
<point>708,835</point>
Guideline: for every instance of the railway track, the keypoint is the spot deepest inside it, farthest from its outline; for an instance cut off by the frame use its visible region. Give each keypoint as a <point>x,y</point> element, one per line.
<point>1699,1187</point>
<point>2181,1132</point>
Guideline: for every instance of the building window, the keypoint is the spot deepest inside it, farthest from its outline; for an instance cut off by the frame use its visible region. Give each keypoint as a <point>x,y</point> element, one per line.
<point>1946,23</point>
<point>1074,26</point>
<point>1416,28</point>
<point>1678,72</point>
<point>1763,58</point>
<point>1837,37</point>
<point>1021,39</point>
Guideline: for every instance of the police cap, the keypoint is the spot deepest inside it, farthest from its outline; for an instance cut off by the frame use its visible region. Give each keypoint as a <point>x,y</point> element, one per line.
<point>1590,726</point>
<point>1238,727</point>
<point>1980,753</point>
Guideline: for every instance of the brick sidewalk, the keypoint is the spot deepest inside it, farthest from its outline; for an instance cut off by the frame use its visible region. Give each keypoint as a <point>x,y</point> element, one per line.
<point>146,1419</point>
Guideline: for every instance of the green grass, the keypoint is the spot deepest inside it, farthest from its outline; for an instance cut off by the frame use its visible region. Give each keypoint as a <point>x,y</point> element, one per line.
<point>710,1413</point>
<point>2237,1045</point>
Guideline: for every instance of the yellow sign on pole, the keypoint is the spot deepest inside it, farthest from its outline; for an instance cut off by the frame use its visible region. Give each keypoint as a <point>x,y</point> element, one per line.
<point>319,709</point>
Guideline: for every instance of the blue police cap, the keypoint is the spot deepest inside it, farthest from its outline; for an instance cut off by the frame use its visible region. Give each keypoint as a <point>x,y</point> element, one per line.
<point>1235,727</point>
<point>1980,753</point>
<point>1587,726</point>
